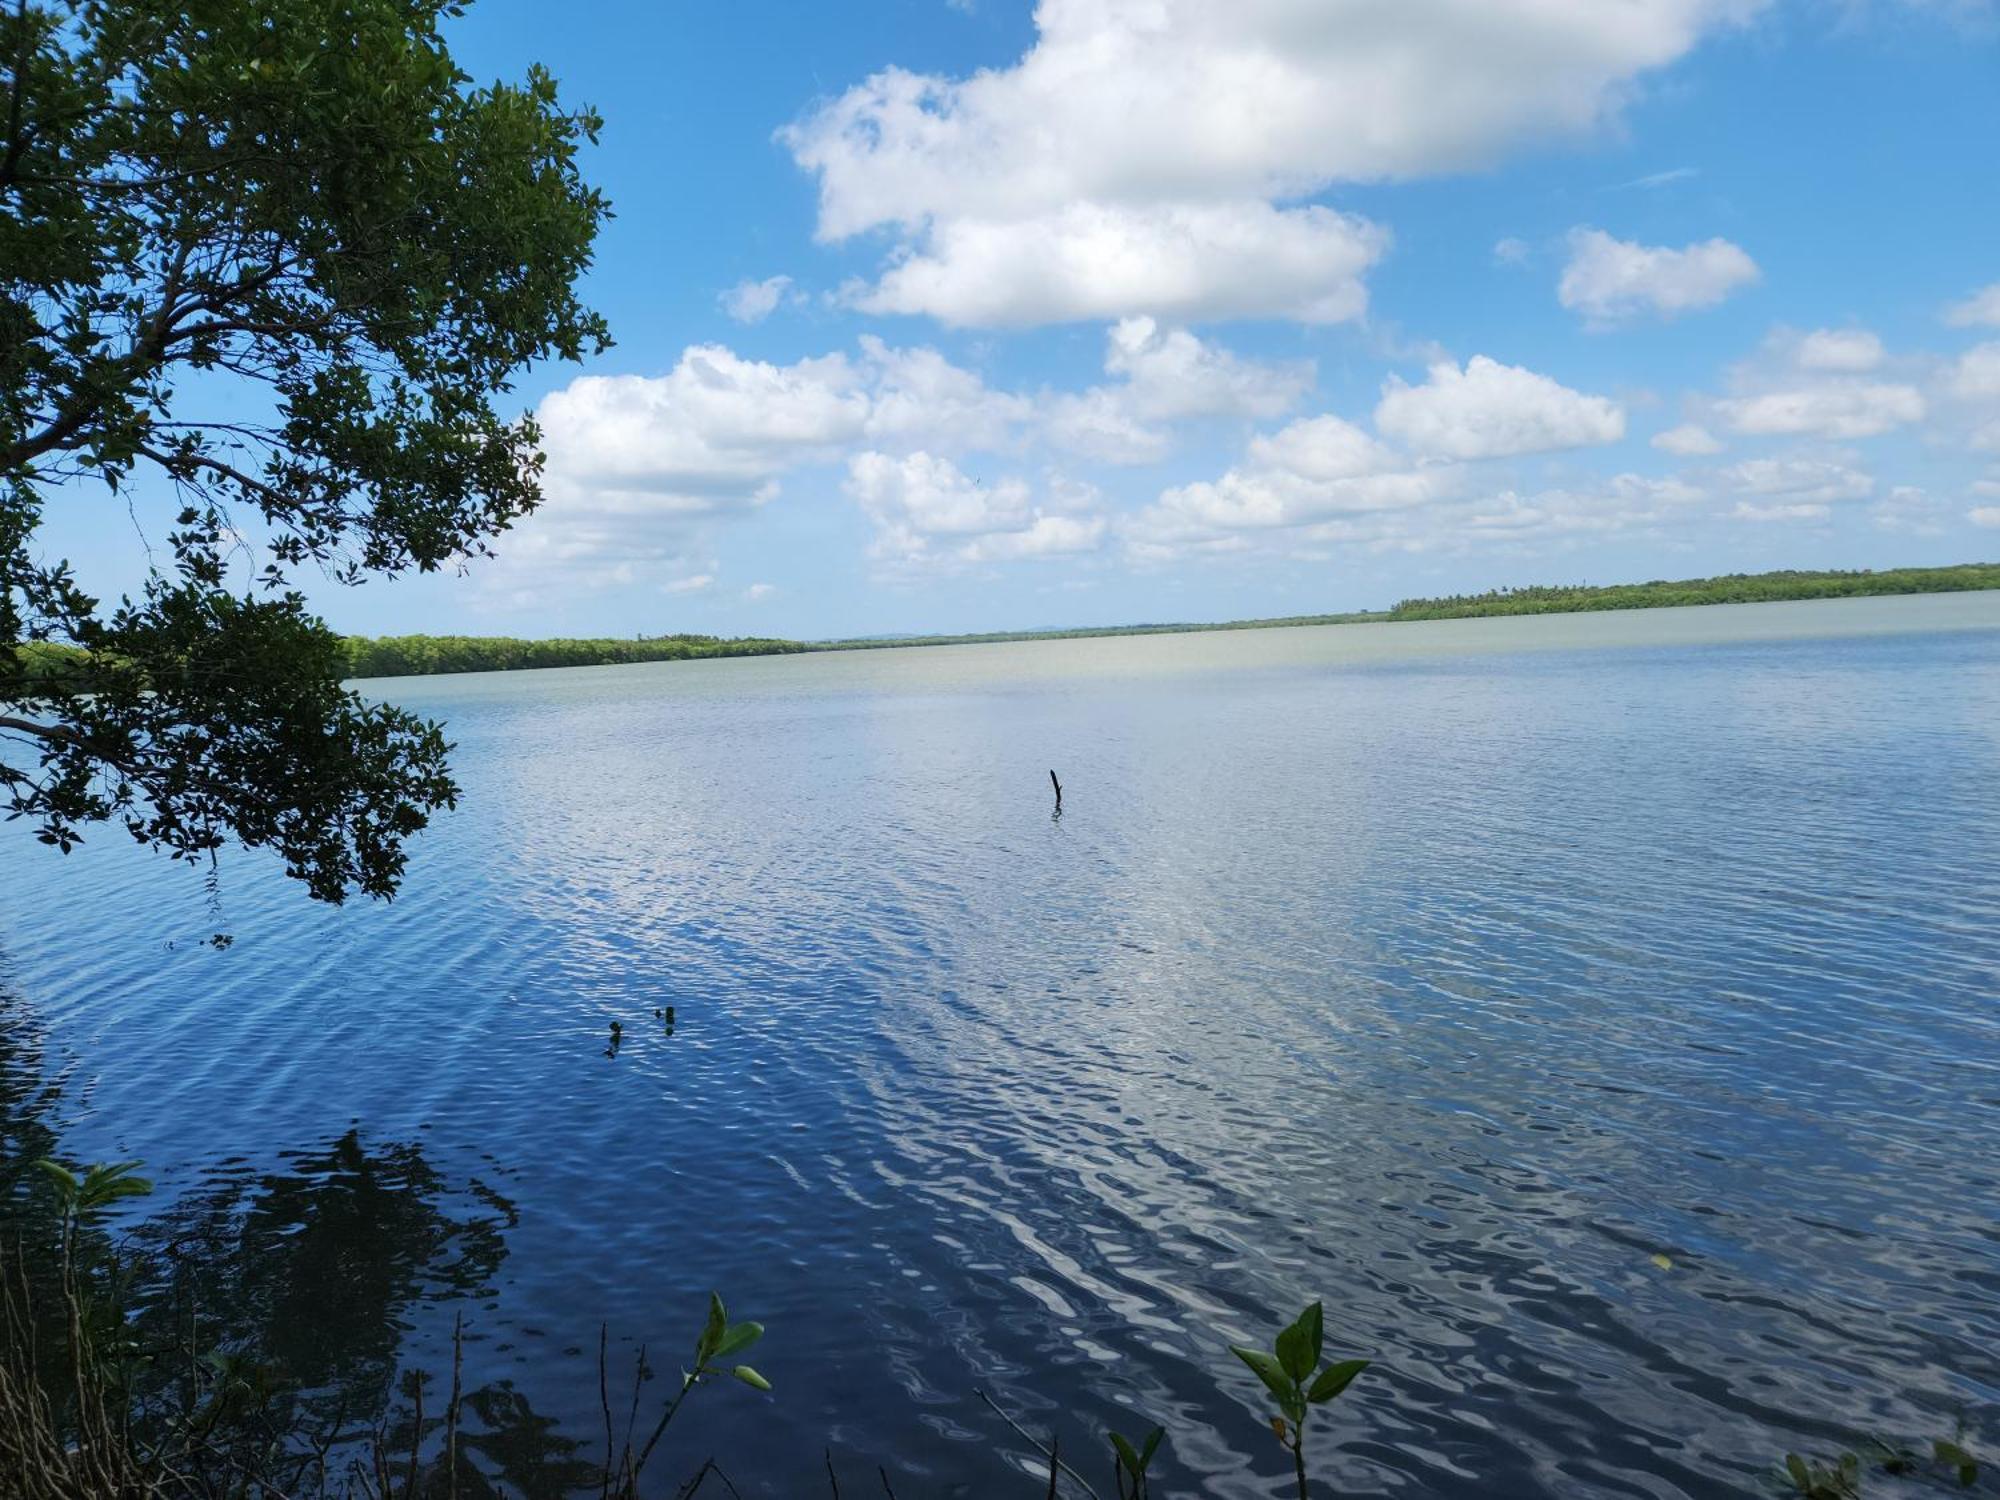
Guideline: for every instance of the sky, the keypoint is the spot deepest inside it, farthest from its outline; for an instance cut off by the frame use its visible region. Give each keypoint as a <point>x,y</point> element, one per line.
<point>950,315</point>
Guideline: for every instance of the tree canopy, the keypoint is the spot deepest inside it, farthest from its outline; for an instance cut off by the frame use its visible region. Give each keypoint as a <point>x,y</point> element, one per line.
<point>271,265</point>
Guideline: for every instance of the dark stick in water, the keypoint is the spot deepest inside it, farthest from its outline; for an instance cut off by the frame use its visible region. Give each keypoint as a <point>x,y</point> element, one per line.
<point>1058,787</point>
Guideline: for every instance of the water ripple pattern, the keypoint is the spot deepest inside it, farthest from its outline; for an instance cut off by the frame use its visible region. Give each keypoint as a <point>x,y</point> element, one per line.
<point>1453,974</point>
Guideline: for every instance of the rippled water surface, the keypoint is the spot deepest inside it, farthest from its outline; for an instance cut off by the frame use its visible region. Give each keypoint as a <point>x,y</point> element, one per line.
<point>1448,972</point>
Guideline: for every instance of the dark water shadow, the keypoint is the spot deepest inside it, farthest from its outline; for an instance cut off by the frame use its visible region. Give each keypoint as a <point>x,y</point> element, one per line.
<point>338,1271</point>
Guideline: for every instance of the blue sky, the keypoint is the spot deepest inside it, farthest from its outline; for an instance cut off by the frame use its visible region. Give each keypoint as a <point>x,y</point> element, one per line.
<point>971,315</point>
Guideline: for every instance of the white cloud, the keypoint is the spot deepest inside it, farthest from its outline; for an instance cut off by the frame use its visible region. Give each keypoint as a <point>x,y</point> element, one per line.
<point>1623,503</point>
<point>1171,375</point>
<point>754,301</point>
<point>1845,410</point>
<point>1803,511</point>
<point>1045,536</point>
<point>1972,383</point>
<point>1980,310</point>
<point>1318,449</point>
<point>1168,376</point>
<point>1316,470</point>
<point>718,429</point>
<point>1491,410</point>
<point>1909,509</point>
<point>758,592</point>
<point>928,511</point>
<point>1141,146</point>
<point>1612,280</point>
<point>1663,179</point>
<point>1690,440</point>
<point>918,397</point>
<point>1088,261</point>
<point>711,435</point>
<point>693,584</point>
<point>1975,374</point>
<point>1842,350</point>
<point>1984,515</point>
<point>1512,251</point>
<point>1799,480</point>
<point>641,467</point>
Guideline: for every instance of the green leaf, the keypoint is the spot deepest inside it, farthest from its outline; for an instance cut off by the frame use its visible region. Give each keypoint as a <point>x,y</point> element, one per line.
<point>1334,1379</point>
<point>1152,1446</point>
<point>1298,1345</point>
<point>1268,1370</point>
<point>1314,1318</point>
<point>1128,1456</point>
<point>1801,1475</point>
<point>64,1179</point>
<point>736,1338</point>
<point>712,1331</point>
<point>109,1181</point>
<point>1951,1454</point>
<point>751,1378</point>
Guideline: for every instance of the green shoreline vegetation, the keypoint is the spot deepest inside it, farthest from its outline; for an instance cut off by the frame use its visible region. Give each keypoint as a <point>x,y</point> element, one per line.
<point>1730,588</point>
<point>423,655</point>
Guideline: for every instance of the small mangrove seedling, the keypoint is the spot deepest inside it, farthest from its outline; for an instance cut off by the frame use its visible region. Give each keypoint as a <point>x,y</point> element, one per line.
<point>719,1339</point>
<point>81,1195</point>
<point>1292,1373</point>
<point>1133,1463</point>
<point>1813,1480</point>
<point>1843,1476</point>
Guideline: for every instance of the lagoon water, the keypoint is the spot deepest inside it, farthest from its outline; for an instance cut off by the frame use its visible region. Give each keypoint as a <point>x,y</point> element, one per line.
<point>1450,972</point>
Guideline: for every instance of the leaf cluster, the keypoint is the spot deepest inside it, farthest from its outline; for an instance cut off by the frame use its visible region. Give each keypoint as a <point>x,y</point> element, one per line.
<point>280,260</point>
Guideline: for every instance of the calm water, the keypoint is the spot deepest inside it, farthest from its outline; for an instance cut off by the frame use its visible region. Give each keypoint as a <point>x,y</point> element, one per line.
<point>1449,972</point>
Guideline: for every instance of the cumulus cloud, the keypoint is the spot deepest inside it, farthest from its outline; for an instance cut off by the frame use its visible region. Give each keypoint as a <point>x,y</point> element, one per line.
<point>758,592</point>
<point>1980,310</point>
<point>1137,157</point>
<point>754,301</point>
<point>917,396</point>
<point>1625,503</point>
<point>1909,509</point>
<point>1798,480</point>
<point>1611,281</point>
<point>1844,410</point>
<point>640,468</point>
<point>1491,410</point>
<point>1168,376</point>
<point>1689,440</point>
<point>928,511</point>
<point>1969,386</point>
<point>1984,515</point>
<point>712,432</point>
<point>1314,470</point>
<point>1841,350</point>
<point>1975,374</point>
<point>1088,260</point>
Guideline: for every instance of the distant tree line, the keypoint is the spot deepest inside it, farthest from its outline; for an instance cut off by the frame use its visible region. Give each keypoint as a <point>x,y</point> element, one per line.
<point>1730,588</point>
<point>420,655</point>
